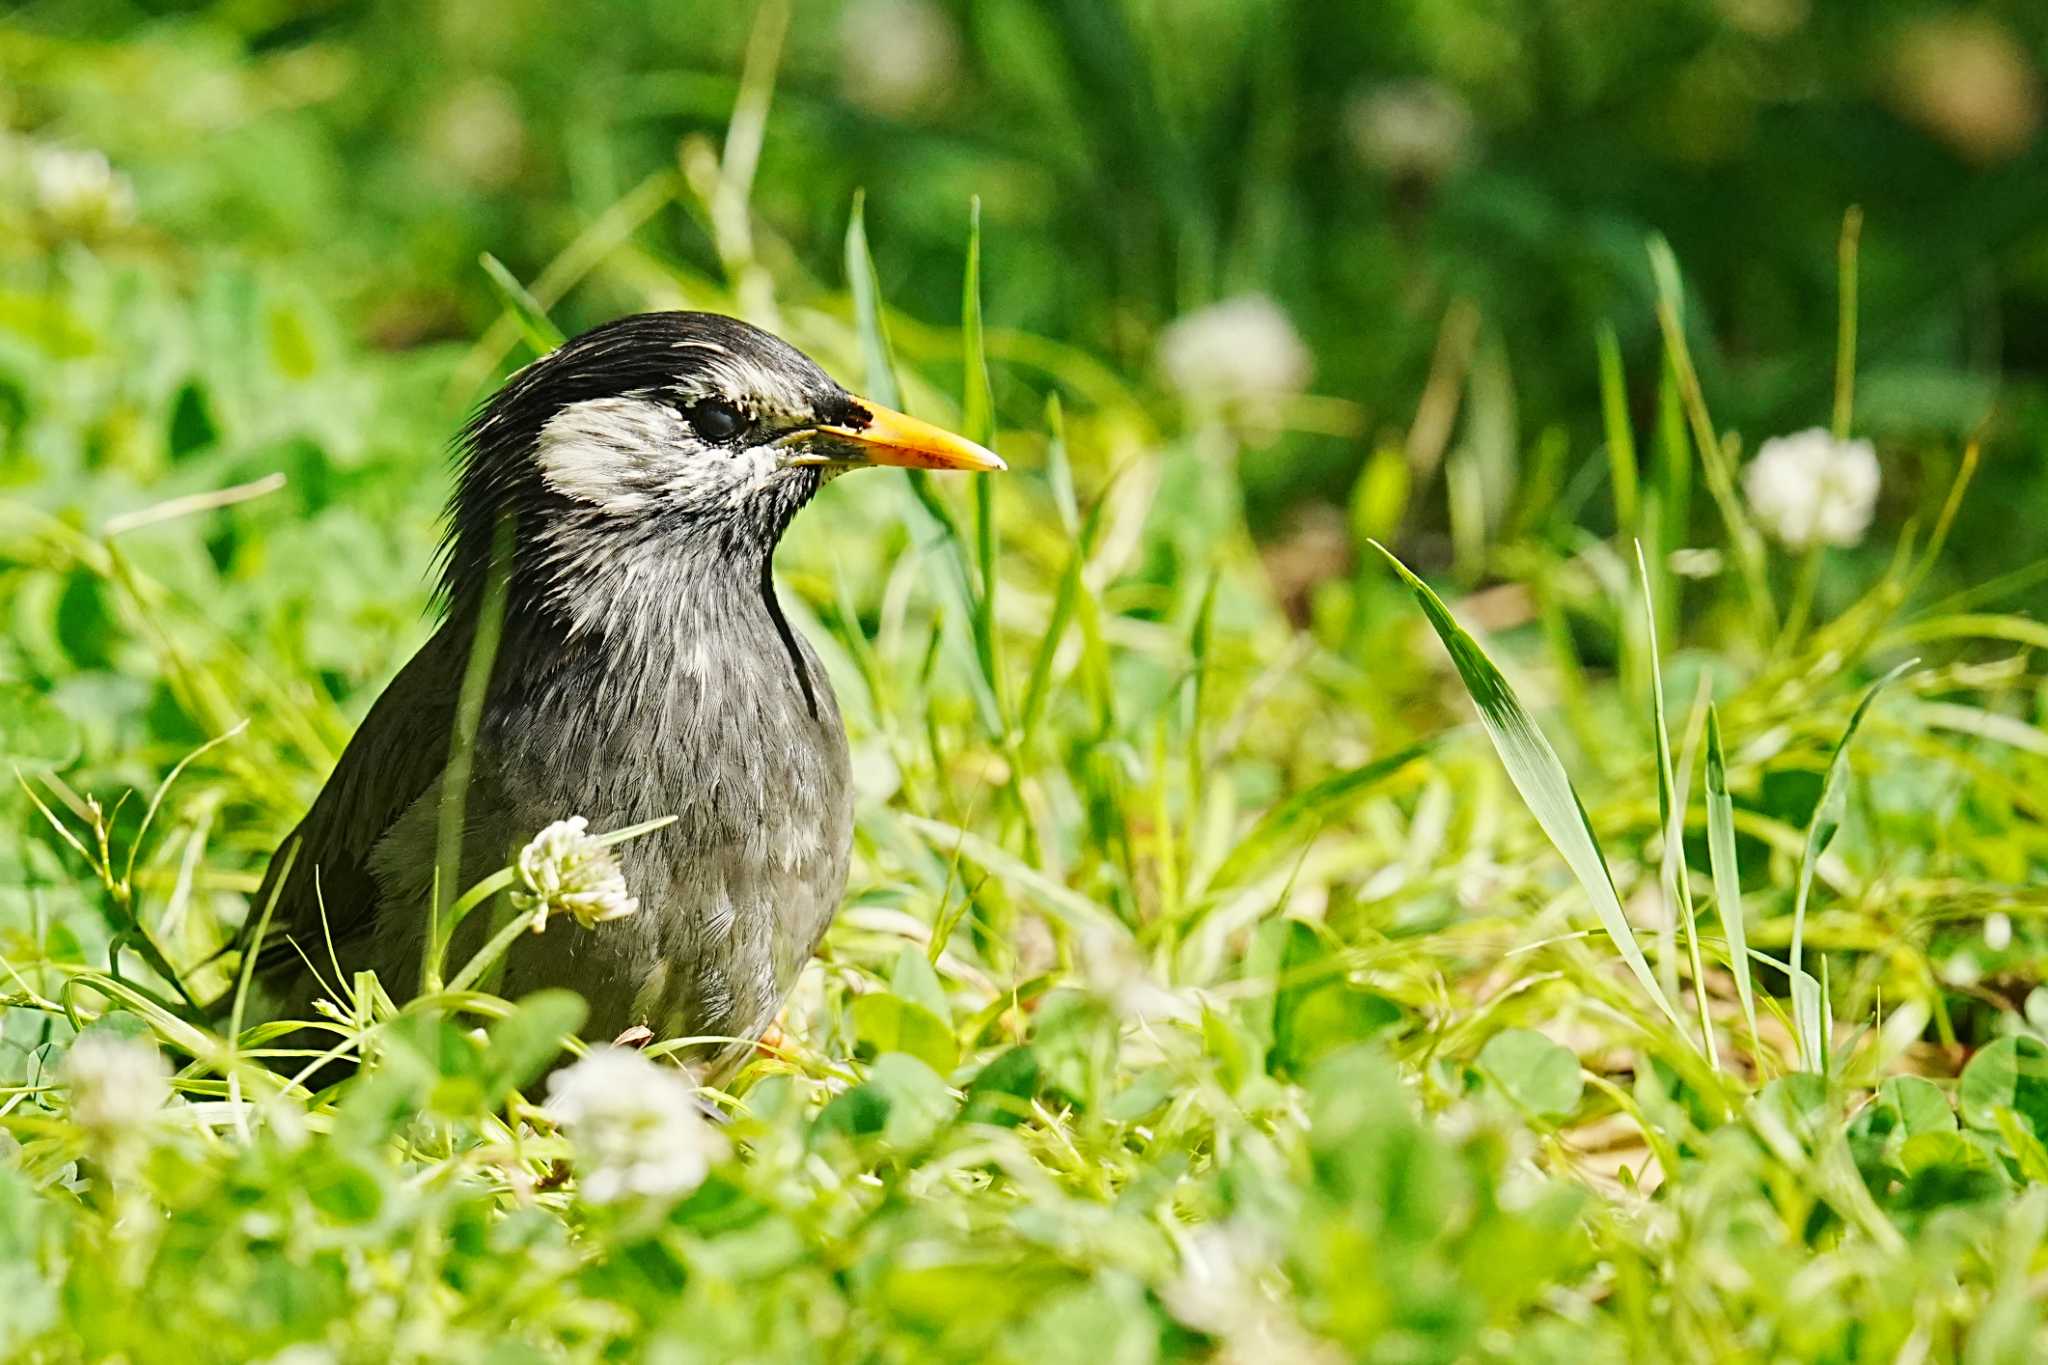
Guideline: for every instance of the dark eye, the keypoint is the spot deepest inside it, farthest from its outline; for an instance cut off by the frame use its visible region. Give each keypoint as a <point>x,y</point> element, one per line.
<point>715,419</point>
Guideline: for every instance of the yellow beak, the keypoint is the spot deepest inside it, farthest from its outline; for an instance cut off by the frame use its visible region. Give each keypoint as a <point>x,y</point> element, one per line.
<point>892,438</point>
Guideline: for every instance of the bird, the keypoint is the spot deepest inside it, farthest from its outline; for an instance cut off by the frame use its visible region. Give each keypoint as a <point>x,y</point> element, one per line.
<point>644,670</point>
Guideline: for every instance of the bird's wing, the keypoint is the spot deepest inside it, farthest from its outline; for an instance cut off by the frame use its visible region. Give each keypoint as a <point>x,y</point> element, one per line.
<point>321,873</point>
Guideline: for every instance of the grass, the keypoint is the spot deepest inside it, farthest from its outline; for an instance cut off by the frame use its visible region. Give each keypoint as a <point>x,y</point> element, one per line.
<point>1207,987</point>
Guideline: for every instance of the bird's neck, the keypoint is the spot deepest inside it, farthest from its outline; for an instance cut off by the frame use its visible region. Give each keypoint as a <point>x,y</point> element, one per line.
<point>639,598</point>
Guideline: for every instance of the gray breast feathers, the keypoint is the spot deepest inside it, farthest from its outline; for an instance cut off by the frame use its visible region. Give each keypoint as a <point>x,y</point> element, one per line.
<point>716,729</point>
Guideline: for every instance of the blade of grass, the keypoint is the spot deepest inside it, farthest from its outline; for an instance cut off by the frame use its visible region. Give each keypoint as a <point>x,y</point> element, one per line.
<point>1828,814</point>
<point>1534,768</point>
<point>941,530</point>
<point>611,230</point>
<point>1845,342</point>
<point>978,419</point>
<point>1073,910</point>
<point>1307,810</point>
<point>1671,816</point>
<point>1727,873</point>
<point>876,355</point>
<point>1080,536</point>
<point>1742,533</point>
<point>534,324</point>
<point>469,710</point>
<point>1621,439</point>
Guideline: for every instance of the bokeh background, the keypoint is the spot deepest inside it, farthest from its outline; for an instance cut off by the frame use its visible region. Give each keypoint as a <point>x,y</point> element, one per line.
<point>1402,181</point>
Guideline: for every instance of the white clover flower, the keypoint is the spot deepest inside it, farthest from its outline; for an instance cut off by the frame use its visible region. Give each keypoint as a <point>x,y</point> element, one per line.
<point>566,871</point>
<point>80,189</point>
<point>1222,1290</point>
<point>304,1353</point>
<point>476,132</point>
<point>1411,128</point>
<point>901,56</point>
<point>1116,973</point>
<point>1696,562</point>
<point>636,1126</point>
<point>1810,489</point>
<point>117,1084</point>
<point>1241,348</point>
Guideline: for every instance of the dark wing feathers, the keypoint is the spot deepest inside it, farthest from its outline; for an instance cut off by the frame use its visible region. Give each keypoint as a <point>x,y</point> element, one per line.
<point>396,754</point>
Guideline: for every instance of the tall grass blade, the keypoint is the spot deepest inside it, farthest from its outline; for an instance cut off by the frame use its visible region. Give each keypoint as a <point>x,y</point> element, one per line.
<point>978,418</point>
<point>1621,438</point>
<point>877,359</point>
<point>942,529</point>
<point>1845,335</point>
<point>1671,817</point>
<point>1742,532</point>
<point>1073,586</point>
<point>1828,814</point>
<point>1727,873</point>
<point>534,324</point>
<point>469,710</point>
<point>1808,1009</point>
<point>1534,768</point>
<point>1300,814</point>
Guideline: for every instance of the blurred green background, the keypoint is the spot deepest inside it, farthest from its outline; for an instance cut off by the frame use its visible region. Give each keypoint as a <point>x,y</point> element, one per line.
<point>1469,180</point>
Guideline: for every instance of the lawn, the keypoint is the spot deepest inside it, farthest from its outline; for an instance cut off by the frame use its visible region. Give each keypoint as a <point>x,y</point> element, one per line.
<point>1493,810</point>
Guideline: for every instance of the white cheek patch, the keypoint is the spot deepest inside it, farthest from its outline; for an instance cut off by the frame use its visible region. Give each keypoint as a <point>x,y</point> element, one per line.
<point>602,451</point>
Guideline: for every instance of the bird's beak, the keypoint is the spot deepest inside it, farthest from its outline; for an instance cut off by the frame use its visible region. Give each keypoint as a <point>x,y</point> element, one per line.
<point>889,438</point>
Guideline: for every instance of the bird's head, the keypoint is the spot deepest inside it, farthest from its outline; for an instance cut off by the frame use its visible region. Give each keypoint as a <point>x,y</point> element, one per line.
<point>666,437</point>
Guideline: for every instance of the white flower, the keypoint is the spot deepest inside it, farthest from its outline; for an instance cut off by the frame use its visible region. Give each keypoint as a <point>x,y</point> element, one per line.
<point>304,1353</point>
<point>1810,489</point>
<point>1116,973</point>
<point>80,190</point>
<point>1413,128</point>
<point>1696,562</point>
<point>566,871</point>
<point>636,1126</point>
<point>1224,1290</point>
<point>117,1084</point>
<point>476,132</point>
<point>900,56</point>
<point>1241,348</point>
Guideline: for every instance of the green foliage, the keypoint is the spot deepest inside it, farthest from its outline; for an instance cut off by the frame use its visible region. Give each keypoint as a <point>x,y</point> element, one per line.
<point>1208,987</point>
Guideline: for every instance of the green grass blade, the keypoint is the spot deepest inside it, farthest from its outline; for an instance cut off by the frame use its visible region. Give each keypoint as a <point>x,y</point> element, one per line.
<point>534,324</point>
<point>1742,533</point>
<point>942,531</point>
<point>1671,817</point>
<point>1281,828</point>
<point>877,357</point>
<point>1073,586</point>
<point>1621,439</point>
<point>1845,343</point>
<point>469,709</point>
<point>977,399</point>
<point>1534,768</point>
<point>979,422</point>
<point>1808,1009</point>
<point>1727,873</point>
<point>1828,814</point>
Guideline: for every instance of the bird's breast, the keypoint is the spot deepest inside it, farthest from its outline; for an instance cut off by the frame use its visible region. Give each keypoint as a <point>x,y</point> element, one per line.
<point>719,733</point>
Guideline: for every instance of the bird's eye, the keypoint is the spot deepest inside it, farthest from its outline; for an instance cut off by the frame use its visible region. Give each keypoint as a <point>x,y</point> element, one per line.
<point>715,419</point>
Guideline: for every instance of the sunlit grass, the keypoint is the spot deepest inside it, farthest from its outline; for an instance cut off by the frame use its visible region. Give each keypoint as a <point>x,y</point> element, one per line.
<point>1206,984</point>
